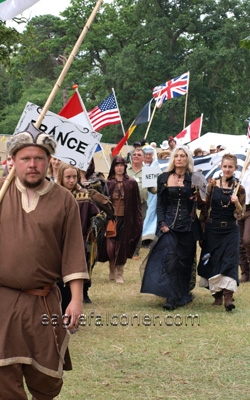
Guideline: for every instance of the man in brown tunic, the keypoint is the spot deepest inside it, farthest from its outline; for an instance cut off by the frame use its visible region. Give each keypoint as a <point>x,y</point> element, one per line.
<point>41,242</point>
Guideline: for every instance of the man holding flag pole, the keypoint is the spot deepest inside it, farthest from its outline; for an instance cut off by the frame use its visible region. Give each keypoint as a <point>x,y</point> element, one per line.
<point>33,345</point>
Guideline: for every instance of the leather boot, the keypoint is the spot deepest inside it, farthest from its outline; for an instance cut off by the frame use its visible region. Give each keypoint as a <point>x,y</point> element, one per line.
<point>169,305</point>
<point>228,299</point>
<point>244,275</point>
<point>119,274</point>
<point>218,298</point>
<point>86,298</point>
<point>112,271</point>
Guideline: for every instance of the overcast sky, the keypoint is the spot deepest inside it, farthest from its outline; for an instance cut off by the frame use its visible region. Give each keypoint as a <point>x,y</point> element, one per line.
<point>41,8</point>
<point>47,7</point>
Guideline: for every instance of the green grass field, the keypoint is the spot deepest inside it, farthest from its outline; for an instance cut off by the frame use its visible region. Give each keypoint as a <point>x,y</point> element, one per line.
<point>174,360</point>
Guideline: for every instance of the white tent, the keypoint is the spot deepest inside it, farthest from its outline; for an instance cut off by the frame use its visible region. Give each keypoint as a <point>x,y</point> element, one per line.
<point>216,139</point>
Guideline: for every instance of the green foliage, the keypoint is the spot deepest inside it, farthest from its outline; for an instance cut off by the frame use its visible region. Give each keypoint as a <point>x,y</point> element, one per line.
<point>245,43</point>
<point>36,93</point>
<point>133,46</point>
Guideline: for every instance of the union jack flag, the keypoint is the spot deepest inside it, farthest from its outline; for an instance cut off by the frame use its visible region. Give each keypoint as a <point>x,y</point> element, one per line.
<point>174,88</point>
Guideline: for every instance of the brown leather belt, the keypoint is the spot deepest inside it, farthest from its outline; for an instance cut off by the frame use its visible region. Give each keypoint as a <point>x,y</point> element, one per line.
<point>40,292</point>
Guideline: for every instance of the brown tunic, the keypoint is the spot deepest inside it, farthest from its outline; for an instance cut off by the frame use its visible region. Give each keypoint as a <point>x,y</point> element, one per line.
<point>40,243</point>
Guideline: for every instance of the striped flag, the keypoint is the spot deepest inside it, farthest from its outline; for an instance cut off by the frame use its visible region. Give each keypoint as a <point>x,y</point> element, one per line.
<point>210,164</point>
<point>11,8</point>
<point>106,113</point>
<point>142,117</point>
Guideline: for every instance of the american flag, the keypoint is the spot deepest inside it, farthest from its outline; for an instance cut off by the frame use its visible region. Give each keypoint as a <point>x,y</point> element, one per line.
<point>106,113</point>
<point>174,88</point>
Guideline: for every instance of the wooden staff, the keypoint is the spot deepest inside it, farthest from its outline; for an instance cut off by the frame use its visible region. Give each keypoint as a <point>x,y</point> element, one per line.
<point>151,119</point>
<point>57,85</point>
<point>242,172</point>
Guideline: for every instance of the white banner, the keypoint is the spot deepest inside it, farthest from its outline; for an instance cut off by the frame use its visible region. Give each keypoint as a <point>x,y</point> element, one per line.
<point>11,8</point>
<point>75,144</point>
<point>150,175</point>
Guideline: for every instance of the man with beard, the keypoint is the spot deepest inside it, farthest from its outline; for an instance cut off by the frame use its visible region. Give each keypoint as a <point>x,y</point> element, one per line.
<point>41,242</point>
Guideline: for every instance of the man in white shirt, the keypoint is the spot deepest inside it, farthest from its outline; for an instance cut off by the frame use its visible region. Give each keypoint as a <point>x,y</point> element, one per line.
<point>134,170</point>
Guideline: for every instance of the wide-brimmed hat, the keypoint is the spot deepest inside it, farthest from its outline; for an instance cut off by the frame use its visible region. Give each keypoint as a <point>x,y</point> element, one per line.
<point>163,154</point>
<point>164,145</point>
<point>31,137</point>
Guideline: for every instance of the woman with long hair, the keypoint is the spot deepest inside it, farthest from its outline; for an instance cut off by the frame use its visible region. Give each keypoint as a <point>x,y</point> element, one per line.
<point>90,203</point>
<point>219,260</point>
<point>170,261</point>
<point>53,168</point>
<point>125,197</point>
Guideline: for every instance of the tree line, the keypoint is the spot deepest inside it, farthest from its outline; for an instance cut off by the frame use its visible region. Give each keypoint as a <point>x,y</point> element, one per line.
<point>133,46</point>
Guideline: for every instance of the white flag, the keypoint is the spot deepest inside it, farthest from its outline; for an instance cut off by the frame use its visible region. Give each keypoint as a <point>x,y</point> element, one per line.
<point>11,8</point>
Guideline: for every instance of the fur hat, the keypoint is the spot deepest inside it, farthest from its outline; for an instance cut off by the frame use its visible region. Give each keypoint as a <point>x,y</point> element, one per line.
<point>30,137</point>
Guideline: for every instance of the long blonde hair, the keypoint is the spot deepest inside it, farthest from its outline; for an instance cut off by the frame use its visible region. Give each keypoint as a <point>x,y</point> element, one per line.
<point>190,161</point>
<point>61,169</point>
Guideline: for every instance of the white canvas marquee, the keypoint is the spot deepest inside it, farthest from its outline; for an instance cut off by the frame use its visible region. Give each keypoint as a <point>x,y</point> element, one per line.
<point>231,142</point>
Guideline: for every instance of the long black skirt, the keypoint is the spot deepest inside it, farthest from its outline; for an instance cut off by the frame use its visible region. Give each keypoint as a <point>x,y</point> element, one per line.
<point>221,248</point>
<point>168,267</point>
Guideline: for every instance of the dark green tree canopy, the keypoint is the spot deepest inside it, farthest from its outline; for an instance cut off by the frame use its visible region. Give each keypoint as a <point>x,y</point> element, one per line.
<point>133,46</point>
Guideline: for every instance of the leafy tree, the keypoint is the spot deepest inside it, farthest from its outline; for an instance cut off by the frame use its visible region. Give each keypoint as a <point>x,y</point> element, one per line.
<point>133,46</point>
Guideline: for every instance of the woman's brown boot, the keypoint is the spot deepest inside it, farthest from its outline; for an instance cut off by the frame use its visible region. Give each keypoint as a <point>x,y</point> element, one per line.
<point>119,274</point>
<point>112,271</point>
<point>218,299</point>
<point>228,299</point>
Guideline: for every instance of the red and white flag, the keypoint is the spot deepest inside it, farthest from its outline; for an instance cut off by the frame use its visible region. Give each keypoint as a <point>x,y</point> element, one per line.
<point>174,88</point>
<point>191,132</point>
<point>75,110</point>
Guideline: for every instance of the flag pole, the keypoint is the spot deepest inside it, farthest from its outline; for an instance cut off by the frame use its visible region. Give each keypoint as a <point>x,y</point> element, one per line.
<point>149,124</point>
<point>56,87</point>
<point>83,106</point>
<point>106,161</point>
<point>123,130</point>
<point>186,101</point>
<point>242,172</point>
